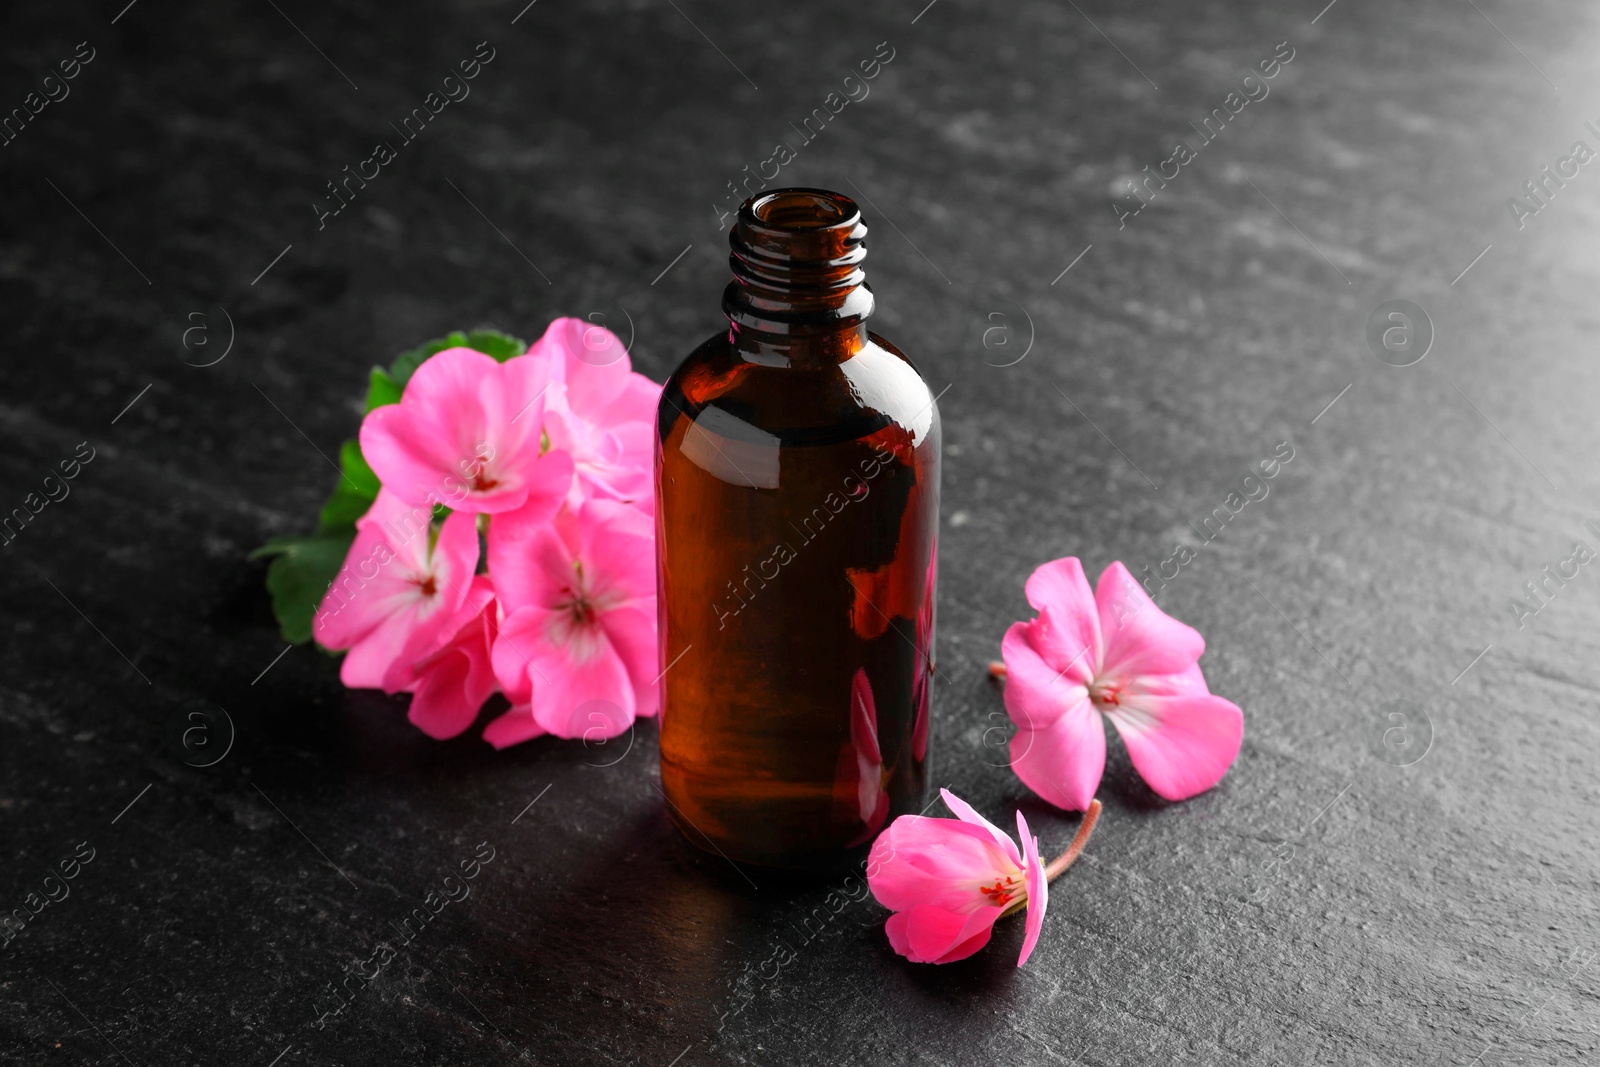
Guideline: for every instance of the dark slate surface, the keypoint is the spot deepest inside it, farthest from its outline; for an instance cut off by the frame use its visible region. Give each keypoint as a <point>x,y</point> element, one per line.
<point>1324,905</point>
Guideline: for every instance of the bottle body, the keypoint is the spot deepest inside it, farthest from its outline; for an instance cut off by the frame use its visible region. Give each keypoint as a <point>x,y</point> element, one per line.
<point>797,480</point>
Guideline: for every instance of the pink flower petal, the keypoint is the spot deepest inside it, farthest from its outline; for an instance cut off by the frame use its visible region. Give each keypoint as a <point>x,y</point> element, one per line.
<point>617,544</point>
<point>368,663</point>
<point>439,616</point>
<point>600,411</point>
<point>632,633</point>
<point>593,364</point>
<point>455,558</point>
<point>531,562</point>
<point>548,480</point>
<point>1036,693</point>
<point>1140,638</point>
<point>475,611</point>
<point>965,812</point>
<point>1181,745</point>
<point>357,603</point>
<point>387,561</point>
<point>515,648</point>
<point>631,474</point>
<point>613,461</point>
<point>636,403</point>
<point>450,685</point>
<point>404,527</point>
<point>1066,635</point>
<point>930,934</point>
<point>570,690</point>
<point>513,728</point>
<point>1063,761</point>
<point>1183,683</point>
<point>1038,889</point>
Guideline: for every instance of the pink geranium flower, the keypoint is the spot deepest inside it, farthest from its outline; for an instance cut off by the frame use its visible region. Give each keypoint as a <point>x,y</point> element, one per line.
<point>948,881</point>
<point>449,687</point>
<point>576,653</point>
<point>600,411</point>
<point>401,594</point>
<point>1110,653</point>
<point>467,434</point>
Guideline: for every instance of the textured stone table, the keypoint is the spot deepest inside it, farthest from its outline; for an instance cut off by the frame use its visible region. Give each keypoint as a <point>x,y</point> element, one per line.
<point>1360,889</point>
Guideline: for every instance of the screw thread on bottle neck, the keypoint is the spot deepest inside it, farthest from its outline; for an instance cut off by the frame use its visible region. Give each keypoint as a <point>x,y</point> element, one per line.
<point>798,288</point>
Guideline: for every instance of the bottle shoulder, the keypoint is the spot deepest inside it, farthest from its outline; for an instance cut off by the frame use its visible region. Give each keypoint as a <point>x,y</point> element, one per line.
<point>876,388</point>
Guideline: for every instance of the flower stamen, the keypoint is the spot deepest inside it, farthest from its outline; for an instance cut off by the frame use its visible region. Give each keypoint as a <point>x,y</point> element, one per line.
<point>1106,693</point>
<point>999,894</point>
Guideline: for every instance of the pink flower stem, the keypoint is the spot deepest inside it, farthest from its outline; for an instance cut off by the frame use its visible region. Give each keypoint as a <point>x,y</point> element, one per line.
<point>1074,850</point>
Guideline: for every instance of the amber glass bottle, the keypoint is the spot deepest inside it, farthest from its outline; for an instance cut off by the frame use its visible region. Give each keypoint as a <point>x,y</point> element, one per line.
<point>797,506</point>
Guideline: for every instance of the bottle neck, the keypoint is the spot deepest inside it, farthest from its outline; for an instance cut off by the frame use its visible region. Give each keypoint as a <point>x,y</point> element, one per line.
<point>798,295</point>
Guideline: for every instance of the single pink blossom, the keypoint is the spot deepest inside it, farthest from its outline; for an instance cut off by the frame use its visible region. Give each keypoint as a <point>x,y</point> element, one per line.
<point>948,881</point>
<point>449,687</point>
<point>576,651</point>
<point>1115,653</point>
<point>467,434</point>
<point>600,411</point>
<point>401,593</point>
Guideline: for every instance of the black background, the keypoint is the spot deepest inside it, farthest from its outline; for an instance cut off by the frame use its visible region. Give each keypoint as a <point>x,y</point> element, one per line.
<point>1322,905</point>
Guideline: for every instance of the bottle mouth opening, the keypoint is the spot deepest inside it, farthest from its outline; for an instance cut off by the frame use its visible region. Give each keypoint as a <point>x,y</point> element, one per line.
<point>810,229</point>
<point>803,209</point>
<point>799,238</point>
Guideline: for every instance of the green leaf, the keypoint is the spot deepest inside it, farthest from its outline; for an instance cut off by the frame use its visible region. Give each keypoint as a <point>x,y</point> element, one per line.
<point>298,578</point>
<point>352,496</point>
<point>382,389</point>
<point>494,343</point>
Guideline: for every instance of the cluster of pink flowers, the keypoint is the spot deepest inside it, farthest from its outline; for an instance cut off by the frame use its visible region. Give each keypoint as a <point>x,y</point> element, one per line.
<point>543,463</point>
